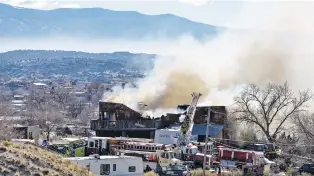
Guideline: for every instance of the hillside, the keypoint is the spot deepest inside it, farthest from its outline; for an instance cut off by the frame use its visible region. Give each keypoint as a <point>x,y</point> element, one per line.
<point>28,159</point>
<point>76,65</point>
<point>96,23</point>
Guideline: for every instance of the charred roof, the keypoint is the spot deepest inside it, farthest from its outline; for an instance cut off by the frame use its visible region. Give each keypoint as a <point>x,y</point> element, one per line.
<point>113,107</point>
<point>221,109</point>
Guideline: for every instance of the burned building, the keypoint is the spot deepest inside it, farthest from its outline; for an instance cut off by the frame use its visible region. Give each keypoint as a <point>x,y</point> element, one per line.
<point>116,119</point>
<point>169,119</point>
<point>117,111</point>
<point>218,115</point>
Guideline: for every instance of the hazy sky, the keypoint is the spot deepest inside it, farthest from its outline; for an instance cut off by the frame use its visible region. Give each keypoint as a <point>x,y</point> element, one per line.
<point>211,12</point>
<point>229,13</point>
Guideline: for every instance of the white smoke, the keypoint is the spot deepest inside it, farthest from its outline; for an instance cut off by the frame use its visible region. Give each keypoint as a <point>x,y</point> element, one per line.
<point>278,47</point>
<point>181,118</point>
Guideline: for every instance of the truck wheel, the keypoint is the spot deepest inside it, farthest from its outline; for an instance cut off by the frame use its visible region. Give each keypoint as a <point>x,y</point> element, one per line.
<point>267,156</point>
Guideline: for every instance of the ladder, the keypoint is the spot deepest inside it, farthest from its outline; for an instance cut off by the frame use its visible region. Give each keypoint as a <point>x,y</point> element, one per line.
<point>187,125</point>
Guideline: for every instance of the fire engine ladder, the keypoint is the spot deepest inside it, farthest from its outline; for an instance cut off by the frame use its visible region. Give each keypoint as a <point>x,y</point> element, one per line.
<point>187,125</point>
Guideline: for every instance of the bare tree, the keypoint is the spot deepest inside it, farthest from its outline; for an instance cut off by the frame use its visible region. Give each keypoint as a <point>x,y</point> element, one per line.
<point>97,89</point>
<point>36,100</point>
<point>248,134</point>
<point>6,123</point>
<point>7,131</point>
<point>87,114</point>
<point>44,111</point>
<point>5,99</point>
<point>35,103</point>
<point>49,120</point>
<point>48,117</point>
<point>62,96</point>
<point>5,95</point>
<point>75,108</point>
<point>5,109</point>
<point>270,107</point>
<point>305,129</point>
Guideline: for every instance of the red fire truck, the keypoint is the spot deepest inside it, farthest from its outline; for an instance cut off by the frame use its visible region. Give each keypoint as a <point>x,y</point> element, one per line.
<point>191,153</point>
<point>227,157</point>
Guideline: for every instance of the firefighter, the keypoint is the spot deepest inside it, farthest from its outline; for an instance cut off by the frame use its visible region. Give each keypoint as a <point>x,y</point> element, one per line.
<point>148,169</point>
<point>219,171</point>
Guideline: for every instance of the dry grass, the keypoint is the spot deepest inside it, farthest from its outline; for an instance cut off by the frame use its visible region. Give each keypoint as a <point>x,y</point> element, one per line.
<point>151,173</point>
<point>29,159</point>
<point>267,170</point>
<point>199,172</point>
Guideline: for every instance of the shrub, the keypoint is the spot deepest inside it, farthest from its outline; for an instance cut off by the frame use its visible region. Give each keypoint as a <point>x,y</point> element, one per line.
<point>7,143</point>
<point>45,172</point>
<point>305,174</point>
<point>17,146</point>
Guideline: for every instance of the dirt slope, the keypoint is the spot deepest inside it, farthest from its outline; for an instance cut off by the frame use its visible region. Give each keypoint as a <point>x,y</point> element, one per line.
<point>28,159</point>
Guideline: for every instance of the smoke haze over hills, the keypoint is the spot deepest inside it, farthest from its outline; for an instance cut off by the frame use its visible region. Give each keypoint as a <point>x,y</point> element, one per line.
<point>277,47</point>
<point>276,50</point>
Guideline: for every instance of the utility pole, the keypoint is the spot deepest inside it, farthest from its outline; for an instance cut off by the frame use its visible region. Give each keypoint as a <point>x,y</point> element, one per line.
<point>206,142</point>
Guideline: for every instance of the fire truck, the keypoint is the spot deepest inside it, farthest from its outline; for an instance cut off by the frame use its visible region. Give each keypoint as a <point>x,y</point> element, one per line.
<point>191,153</point>
<point>235,158</point>
<point>271,151</point>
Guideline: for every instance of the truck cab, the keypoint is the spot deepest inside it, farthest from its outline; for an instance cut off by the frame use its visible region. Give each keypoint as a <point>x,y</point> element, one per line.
<point>188,151</point>
<point>97,145</point>
<point>201,147</point>
<point>167,158</point>
<point>307,168</point>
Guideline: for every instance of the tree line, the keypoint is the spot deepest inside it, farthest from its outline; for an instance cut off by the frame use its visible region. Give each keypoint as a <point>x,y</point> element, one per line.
<point>49,108</point>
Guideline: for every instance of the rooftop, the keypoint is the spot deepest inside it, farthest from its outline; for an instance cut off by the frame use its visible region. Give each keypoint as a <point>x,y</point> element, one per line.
<point>40,84</point>
<point>18,96</point>
<point>105,157</point>
<point>17,101</point>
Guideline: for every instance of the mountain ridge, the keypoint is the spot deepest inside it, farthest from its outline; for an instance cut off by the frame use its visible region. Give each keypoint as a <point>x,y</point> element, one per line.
<point>97,22</point>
